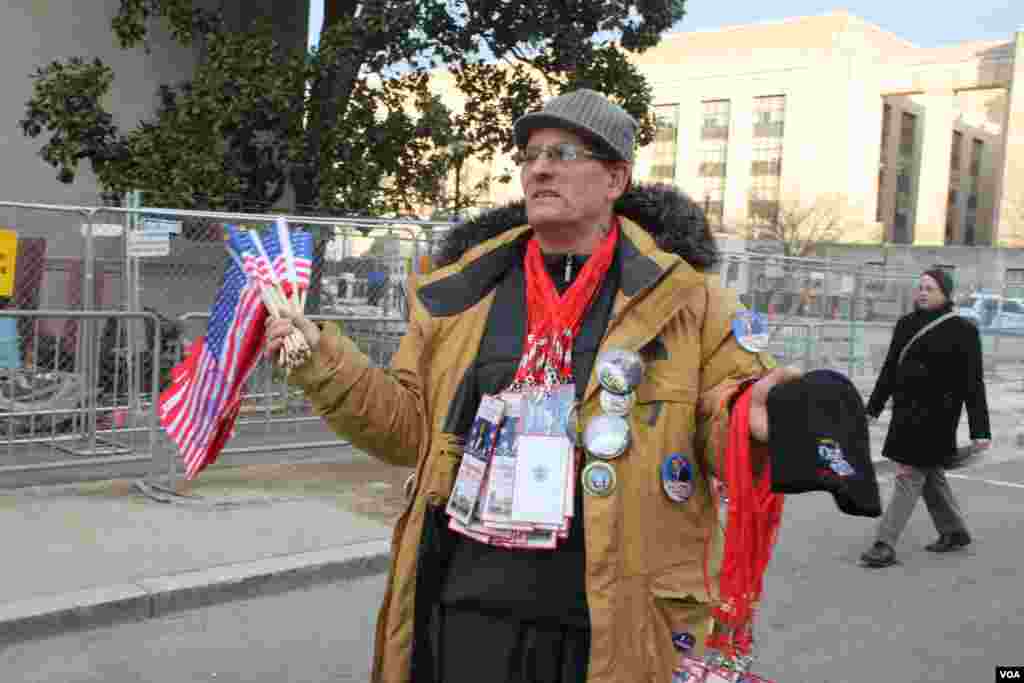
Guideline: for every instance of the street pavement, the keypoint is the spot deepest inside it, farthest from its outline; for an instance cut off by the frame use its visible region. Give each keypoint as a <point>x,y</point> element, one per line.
<point>932,618</point>
<point>320,633</point>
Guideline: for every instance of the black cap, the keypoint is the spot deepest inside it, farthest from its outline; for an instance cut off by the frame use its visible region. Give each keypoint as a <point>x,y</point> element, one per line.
<point>818,438</point>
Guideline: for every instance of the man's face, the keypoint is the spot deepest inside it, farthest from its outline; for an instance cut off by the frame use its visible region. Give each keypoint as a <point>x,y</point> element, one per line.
<point>929,294</point>
<point>564,195</point>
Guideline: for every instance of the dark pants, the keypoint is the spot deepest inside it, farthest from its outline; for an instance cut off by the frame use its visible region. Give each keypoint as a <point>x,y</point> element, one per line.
<point>910,484</point>
<point>469,647</point>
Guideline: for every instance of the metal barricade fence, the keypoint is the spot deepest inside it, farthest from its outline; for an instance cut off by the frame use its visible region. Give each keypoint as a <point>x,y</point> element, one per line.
<point>170,262</point>
<point>278,414</point>
<point>792,344</point>
<point>807,290</point>
<point>81,399</point>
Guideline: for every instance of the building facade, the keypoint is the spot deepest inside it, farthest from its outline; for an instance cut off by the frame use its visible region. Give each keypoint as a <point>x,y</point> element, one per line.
<point>910,145</point>
<point>906,145</point>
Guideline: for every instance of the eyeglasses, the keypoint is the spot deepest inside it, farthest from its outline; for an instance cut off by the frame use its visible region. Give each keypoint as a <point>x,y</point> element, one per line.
<point>563,151</point>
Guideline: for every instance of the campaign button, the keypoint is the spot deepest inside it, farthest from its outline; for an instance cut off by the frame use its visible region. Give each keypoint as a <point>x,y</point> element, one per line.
<point>599,479</point>
<point>606,436</point>
<point>677,477</point>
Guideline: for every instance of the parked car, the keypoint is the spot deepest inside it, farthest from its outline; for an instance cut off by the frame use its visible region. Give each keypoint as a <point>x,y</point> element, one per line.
<point>981,308</point>
<point>1010,317</point>
<point>992,311</point>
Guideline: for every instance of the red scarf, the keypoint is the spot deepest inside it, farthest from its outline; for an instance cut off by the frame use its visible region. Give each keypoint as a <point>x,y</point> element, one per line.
<point>554,320</point>
<point>755,514</point>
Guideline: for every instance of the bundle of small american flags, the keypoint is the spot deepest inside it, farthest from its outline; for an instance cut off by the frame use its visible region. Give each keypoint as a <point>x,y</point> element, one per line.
<point>266,273</point>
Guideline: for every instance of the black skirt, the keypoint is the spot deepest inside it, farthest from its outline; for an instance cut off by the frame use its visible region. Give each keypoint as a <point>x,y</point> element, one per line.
<point>470,646</point>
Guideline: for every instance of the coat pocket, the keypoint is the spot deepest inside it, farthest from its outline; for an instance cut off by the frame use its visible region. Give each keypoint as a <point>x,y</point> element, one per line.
<point>679,626</point>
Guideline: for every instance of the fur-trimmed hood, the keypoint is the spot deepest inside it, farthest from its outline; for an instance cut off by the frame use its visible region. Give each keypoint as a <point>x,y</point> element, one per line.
<point>677,224</point>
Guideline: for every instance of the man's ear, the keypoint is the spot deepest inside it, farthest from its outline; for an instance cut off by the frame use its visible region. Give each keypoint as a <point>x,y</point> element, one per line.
<point>621,172</point>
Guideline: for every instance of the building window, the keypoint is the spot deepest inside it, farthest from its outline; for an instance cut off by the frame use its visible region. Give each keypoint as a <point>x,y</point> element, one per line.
<point>716,120</point>
<point>954,155</point>
<point>712,162</point>
<point>971,209</point>
<point>908,130</point>
<point>900,228</point>
<point>769,116</point>
<point>970,223</point>
<point>766,167</point>
<point>882,158</point>
<point>663,168</point>
<point>713,154</point>
<point>977,148</point>
<point>767,160</point>
<point>951,216</point>
<point>763,206</point>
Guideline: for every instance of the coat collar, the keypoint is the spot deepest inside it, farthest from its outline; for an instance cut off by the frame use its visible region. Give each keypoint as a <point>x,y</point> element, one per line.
<point>456,288</point>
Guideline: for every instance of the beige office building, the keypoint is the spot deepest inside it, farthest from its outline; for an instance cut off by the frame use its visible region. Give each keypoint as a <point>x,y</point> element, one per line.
<point>911,145</point>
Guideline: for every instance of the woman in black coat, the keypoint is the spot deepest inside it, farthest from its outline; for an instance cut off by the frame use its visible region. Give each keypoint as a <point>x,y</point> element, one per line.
<point>940,372</point>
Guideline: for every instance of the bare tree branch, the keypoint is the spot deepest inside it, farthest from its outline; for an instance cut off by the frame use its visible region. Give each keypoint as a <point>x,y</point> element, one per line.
<point>799,227</point>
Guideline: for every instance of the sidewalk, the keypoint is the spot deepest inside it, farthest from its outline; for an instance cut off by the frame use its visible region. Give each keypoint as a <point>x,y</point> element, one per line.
<point>97,553</point>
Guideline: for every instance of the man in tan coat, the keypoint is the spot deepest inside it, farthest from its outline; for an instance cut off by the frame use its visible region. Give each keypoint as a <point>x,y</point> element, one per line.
<point>614,600</point>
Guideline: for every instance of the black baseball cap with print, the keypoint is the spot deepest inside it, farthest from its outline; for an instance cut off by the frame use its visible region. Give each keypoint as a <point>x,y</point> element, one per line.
<point>818,439</point>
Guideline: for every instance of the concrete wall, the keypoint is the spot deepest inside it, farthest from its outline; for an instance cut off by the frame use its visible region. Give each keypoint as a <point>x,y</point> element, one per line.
<point>975,267</point>
<point>35,33</point>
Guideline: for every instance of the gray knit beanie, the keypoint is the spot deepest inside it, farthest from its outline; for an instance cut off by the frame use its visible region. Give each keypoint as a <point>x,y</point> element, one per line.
<point>586,112</point>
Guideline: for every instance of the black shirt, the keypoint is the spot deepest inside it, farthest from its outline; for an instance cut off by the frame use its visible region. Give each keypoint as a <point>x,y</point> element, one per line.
<point>529,585</point>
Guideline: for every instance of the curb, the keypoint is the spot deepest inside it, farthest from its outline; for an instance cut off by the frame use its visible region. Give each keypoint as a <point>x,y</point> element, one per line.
<point>47,615</point>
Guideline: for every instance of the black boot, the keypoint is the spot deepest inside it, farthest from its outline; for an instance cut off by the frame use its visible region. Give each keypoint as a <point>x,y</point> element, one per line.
<point>949,542</point>
<point>879,555</point>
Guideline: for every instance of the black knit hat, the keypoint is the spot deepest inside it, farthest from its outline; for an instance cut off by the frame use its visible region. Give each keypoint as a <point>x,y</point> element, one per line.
<point>818,437</point>
<point>943,279</point>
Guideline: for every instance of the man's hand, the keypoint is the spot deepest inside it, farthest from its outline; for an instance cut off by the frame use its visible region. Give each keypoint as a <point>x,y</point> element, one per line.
<point>759,399</point>
<point>279,328</point>
<point>979,445</point>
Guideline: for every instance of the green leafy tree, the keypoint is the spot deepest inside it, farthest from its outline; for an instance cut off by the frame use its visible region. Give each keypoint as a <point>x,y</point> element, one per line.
<point>352,126</point>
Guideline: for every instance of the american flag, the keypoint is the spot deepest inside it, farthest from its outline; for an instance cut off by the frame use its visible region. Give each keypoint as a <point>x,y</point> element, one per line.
<point>291,252</point>
<point>198,410</point>
<point>302,251</point>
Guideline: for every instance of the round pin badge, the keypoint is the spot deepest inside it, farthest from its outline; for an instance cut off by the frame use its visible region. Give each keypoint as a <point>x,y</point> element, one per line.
<point>751,331</point>
<point>677,477</point>
<point>606,436</point>
<point>572,426</point>
<point>683,641</point>
<point>617,404</point>
<point>599,479</point>
<point>619,371</point>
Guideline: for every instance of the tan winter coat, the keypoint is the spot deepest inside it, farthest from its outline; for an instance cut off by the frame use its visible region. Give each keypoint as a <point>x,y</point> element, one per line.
<point>646,555</point>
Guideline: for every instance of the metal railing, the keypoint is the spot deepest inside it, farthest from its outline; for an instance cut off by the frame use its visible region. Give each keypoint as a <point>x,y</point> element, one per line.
<point>93,398</point>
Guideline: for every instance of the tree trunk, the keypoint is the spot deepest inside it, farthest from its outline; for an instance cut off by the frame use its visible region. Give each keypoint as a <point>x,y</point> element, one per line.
<point>328,103</point>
